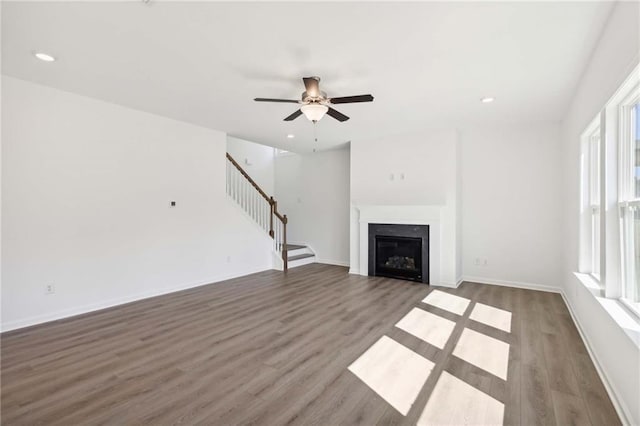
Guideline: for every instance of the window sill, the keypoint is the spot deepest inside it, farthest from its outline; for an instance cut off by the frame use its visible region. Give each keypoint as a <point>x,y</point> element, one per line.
<point>618,312</point>
<point>590,283</point>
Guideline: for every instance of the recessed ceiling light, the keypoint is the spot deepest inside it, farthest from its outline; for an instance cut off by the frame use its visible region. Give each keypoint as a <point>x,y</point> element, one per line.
<point>44,57</point>
<point>487,100</point>
<point>291,136</point>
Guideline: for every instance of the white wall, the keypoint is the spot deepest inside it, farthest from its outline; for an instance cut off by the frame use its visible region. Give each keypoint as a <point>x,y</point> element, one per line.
<point>512,198</point>
<point>256,159</point>
<point>86,187</point>
<point>409,169</point>
<point>313,191</point>
<point>617,356</point>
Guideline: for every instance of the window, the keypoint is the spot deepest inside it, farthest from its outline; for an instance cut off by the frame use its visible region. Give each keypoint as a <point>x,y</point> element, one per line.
<point>610,202</point>
<point>591,149</point>
<point>629,191</point>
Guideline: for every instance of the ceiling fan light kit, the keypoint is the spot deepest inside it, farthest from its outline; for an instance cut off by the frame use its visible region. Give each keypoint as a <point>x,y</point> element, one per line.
<point>315,103</point>
<point>314,112</point>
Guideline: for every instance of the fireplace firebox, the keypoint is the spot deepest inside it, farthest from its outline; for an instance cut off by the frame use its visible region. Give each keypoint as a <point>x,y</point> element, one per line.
<point>399,251</point>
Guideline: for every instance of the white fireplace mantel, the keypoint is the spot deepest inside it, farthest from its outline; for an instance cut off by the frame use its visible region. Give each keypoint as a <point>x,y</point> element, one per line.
<point>403,215</point>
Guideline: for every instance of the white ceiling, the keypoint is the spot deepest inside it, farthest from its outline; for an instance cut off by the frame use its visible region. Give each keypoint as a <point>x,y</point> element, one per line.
<point>427,64</point>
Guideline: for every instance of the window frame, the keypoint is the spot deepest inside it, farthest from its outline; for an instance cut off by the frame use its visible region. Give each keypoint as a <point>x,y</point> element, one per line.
<point>628,203</point>
<point>617,201</point>
<point>592,219</point>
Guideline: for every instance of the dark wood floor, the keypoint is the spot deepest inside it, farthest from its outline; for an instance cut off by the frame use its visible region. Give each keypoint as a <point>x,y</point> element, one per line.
<point>274,349</point>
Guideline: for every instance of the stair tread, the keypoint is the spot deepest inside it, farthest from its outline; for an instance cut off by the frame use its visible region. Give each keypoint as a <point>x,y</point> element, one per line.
<point>295,247</point>
<point>300,256</point>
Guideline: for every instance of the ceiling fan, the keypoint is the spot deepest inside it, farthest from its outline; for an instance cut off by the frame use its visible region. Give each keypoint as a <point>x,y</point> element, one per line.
<point>315,103</point>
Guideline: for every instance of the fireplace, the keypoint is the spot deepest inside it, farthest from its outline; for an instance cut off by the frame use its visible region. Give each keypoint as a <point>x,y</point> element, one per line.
<point>399,251</point>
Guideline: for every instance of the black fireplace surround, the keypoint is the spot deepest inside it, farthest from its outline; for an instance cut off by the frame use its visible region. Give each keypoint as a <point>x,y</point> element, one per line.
<point>399,251</point>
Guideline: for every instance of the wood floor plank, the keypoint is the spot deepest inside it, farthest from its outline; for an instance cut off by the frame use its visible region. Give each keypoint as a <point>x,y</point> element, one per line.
<point>561,378</point>
<point>273,349</point>
<point>569,409</point>
<point>594,395</point>
<point>536,406</point>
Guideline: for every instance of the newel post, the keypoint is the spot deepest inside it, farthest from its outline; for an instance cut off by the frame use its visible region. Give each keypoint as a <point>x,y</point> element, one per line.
<point>271,208</point>
<point>285,256</point>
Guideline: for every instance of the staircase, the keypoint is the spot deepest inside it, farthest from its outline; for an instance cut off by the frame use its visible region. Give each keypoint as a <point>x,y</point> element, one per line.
<point>298,255</point>
<point>263,209</point>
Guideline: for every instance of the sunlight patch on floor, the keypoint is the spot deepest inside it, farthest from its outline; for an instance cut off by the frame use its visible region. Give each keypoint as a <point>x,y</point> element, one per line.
<point>426,326</point>
<point>446,301</point>
<point>491,316</point>
<point>394,372</point>
<point>484,352</point>
<point>454,402</point>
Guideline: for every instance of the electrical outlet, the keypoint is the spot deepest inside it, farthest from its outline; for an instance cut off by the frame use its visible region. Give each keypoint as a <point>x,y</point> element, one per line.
<point>481,261</point>
<point>49,289</point>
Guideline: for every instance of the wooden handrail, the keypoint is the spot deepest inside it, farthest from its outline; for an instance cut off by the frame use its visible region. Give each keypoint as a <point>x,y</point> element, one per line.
<point>273,207</point>
<point>247,177</point>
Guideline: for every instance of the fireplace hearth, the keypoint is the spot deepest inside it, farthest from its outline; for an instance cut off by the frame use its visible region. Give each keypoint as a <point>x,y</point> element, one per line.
<point>399,251</point>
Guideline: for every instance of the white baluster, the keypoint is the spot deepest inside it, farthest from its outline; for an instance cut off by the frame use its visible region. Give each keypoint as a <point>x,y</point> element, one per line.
<point>253,202</point>
<point>235,185</point>
<point>279,235</point>
<point>239,189</point>
<point>231,181</point>
<point>244,194</point>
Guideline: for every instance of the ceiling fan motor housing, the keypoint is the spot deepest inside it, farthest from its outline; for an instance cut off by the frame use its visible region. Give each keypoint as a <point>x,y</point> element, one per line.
<point>306,98</point>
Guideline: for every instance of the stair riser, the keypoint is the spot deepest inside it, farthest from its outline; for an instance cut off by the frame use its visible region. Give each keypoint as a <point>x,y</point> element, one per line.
<point>305,261</point>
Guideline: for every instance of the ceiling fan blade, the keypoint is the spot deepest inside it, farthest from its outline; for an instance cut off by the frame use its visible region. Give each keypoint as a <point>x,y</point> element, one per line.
<point>311,85</point>
<point>293,116</point>
<point>351,99</point>
<point>337,115</point>
<point>290,101</point>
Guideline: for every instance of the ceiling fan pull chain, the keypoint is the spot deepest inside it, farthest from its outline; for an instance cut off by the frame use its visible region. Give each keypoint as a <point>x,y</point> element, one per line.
<point>315,132</point>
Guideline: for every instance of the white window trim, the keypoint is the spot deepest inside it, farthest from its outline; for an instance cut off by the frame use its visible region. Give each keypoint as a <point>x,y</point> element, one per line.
<point>590,262</point>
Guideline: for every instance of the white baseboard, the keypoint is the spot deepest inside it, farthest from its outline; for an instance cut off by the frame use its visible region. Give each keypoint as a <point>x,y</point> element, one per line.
<point>448,284</point>
<point>334,262</point>
<point>92,307</point>
<point>444,284</point>
<point>354,271</point>
<point>618,404</point>
<point>516,284</point>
